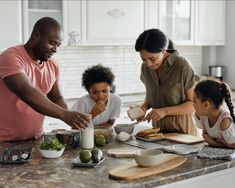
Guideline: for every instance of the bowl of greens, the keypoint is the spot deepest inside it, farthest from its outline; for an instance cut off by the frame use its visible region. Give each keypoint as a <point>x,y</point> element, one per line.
<point>53,149</point>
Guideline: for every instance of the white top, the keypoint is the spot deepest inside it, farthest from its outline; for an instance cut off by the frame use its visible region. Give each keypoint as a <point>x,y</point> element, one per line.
<point>113,108</point>
<point>215,131</point>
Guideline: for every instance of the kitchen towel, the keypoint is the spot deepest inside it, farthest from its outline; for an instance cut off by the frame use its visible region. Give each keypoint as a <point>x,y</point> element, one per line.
<point>216,153</point>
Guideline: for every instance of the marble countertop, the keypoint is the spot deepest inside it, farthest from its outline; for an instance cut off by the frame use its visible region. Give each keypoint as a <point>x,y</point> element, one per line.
<point>41,172</point>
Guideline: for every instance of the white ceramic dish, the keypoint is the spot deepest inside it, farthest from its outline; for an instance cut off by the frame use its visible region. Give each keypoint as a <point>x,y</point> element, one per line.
<point>128,128</point>
<point>148,157</point>
<point>51,153</point>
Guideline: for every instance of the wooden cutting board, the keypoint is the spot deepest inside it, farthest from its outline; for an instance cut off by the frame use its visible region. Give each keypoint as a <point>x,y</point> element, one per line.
<point>131,170</point>
<point>183,138</point>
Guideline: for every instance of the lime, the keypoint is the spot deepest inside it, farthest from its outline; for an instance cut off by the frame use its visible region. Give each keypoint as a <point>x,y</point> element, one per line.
<point>85,156</point>
<point>96,155</point>
<point>99,140</point>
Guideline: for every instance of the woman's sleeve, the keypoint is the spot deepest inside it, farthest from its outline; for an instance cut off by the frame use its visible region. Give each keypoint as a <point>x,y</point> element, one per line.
<point>188,75</point>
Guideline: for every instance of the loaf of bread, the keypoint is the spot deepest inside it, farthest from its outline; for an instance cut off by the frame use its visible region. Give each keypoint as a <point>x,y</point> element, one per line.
<point>146,132</point>
<point>135,112</point>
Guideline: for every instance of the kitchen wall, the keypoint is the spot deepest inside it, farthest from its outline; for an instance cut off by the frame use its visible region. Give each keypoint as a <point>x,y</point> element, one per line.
<point>123,60</point>
<point>224,55</point>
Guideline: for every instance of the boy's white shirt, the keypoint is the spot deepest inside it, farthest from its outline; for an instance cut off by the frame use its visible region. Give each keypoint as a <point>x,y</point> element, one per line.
<point>85,104</point>
<point>215,131</point>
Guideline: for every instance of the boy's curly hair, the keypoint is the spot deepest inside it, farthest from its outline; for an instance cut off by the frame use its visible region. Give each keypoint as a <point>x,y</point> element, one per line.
<point>96,74</point>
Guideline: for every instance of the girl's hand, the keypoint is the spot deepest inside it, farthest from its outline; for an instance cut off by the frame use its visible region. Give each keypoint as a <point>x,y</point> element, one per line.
<point>156,114</point>
<point>211,141</point>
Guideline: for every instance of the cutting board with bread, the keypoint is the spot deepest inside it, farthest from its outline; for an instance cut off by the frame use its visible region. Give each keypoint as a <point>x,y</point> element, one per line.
<point>154,135</point>
<point>131,171</point>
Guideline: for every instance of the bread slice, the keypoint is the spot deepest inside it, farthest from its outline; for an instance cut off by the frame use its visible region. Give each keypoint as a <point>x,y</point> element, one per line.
<point>147,132</point>
<point>155,136</point>
<point>135,112</point>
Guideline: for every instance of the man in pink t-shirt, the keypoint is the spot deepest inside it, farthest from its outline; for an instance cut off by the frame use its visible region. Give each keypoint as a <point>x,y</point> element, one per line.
<point>29,86</point>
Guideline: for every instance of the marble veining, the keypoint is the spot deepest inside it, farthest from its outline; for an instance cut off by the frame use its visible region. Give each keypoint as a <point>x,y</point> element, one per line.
<point>41,172</point>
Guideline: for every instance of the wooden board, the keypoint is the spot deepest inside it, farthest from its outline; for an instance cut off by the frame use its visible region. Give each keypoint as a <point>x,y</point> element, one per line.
<point>183,138</point>
<point>120,152</point>
<point>131,170</point>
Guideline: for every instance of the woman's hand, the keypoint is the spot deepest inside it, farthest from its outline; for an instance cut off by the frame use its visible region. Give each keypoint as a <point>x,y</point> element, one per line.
<point>156,114</point>
<point>98,108</point>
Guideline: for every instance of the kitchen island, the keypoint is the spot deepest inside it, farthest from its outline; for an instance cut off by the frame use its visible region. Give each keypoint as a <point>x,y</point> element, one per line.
<point>41,172</point>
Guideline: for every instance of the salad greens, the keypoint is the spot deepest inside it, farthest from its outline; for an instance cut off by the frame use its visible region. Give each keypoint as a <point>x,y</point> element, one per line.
<point>55,144</point>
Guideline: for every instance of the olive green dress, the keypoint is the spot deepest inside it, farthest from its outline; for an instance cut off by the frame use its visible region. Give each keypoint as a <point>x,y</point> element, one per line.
<point>177,77</point>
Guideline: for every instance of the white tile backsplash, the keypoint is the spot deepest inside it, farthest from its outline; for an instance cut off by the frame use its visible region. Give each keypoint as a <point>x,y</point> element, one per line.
<point>124,61</point>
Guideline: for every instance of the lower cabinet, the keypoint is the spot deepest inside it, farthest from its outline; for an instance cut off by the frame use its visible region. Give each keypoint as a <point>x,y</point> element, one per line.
<point>223,178</point>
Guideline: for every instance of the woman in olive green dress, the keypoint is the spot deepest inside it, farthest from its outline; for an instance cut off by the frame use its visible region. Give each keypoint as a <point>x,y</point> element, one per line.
<point>169,80</point>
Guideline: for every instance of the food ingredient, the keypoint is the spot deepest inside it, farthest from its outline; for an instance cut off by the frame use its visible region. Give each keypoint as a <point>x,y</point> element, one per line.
<point>85,156</point>
<point>55,144</point>
<point>99,140</point>
<point>123,136</point>
<point>97,155</point>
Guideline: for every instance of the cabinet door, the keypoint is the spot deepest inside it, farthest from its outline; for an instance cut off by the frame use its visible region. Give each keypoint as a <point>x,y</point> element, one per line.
<point>176,20</point>
<point>36,9</point>
<point>112,22</point>
<point>210,22</point>
<point>11,23</point>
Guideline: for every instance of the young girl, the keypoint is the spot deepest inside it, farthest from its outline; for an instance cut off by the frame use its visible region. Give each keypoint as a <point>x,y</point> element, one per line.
<point>104,106</point>
<point>217,123</point>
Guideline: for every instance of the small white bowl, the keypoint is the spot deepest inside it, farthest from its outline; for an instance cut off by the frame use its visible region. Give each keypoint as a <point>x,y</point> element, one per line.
<point>51,153</point>
<point>148,157</point>
<point>124,127</point>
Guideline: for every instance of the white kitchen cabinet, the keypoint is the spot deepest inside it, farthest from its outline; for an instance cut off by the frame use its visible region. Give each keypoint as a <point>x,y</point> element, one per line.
<point>223,178</point>
<point>33,10</point>
<point>189,22</point>
<point>210,22</point>
<point>112,22</point>
<point>11,23</point>
<point>176,19</point>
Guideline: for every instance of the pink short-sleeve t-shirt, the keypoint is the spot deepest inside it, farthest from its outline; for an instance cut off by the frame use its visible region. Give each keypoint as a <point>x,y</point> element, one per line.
<point>18,121</point>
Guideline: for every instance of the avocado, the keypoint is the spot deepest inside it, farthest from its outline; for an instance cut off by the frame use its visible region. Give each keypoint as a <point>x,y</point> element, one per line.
<point>85,156</point>
<point>100,140</point>
<point>97,154</point>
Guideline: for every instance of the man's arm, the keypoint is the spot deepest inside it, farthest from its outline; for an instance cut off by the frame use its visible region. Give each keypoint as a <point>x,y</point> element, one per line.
<point>55,96</point>
<point>21,86</point>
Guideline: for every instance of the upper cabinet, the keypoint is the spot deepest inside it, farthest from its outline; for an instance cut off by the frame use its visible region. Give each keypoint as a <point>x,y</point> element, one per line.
<point>33,10</point>
<point>11,19</point>
<point>102,22</point>
<point>193,22</point>
<point>112,22</point>
<point>210,22</point>
<point>176,20</point>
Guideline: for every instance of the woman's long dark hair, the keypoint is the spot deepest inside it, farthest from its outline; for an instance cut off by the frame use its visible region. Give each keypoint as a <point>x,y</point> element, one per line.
<point>216,92</point>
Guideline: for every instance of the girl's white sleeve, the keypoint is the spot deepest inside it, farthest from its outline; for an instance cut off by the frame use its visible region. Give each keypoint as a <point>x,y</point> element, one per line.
<point>229,134</point>
<point>198,122</point>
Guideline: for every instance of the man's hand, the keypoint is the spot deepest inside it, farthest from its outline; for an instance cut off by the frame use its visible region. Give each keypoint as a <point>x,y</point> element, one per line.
<point>75,119</point>
<point>98,108</point>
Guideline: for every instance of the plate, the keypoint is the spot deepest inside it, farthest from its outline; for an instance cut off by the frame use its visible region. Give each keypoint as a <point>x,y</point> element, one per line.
<point>148,139</point>
<point>16,155</point>
<point>77,163</point>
